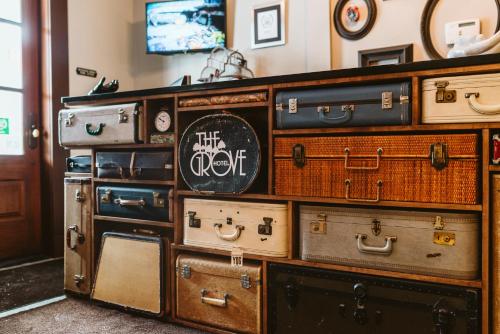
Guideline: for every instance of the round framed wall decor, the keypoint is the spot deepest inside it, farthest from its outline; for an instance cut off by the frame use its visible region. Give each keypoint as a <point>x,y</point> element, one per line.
<point>353,19</point>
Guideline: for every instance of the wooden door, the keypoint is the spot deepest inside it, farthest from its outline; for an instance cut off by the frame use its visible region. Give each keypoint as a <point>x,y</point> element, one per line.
<point>19,114</point>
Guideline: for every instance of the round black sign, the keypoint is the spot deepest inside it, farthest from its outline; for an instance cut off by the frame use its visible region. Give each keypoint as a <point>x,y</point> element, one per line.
<point>219,153</point>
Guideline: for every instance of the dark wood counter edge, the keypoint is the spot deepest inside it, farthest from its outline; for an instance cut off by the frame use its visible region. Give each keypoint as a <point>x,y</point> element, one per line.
<point>385,69</point>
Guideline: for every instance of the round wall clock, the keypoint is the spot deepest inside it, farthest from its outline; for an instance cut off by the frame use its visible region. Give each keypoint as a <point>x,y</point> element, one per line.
<point>162,121</point>
<point>353,19</point>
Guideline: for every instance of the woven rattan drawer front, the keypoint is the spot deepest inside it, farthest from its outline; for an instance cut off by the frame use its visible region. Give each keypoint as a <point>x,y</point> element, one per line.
<point>402,164</point>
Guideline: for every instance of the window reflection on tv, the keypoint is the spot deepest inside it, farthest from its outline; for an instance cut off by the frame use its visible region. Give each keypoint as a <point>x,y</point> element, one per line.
<point>185,25</point>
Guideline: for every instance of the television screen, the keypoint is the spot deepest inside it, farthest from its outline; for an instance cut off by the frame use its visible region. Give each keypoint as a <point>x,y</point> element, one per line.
<point>185,25</point>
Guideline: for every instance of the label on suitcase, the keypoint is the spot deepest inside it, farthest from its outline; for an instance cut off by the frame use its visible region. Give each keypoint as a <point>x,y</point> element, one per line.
<point>212,292</point>
<point>130,272</point>
<point>77,221</point>
<point>254,228</point>
<point>135,165</point>
<point>138,203</point>
<point>306,300</point>
<point>116,124</point>
<point>461,99</point>
<point>428,243</point>
<point>437,168</point>
<point>368,105</point>
<point>79,164</point>
<point>219,153</point>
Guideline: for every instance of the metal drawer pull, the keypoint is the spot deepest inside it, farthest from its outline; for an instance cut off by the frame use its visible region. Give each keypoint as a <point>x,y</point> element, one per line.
<point>80,238</point>
<point>229,237</point>
<point>367,200</point>
<point>384,250</point>
<point>480,108</point>
<point>346,164</point>
<point>94,132</point>
<point>130,202</point>
<point>214,301</point>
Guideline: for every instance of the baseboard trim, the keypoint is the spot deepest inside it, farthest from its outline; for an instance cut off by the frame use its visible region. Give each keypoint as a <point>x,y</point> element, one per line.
<point>31,306</point>
<point>30,264</point>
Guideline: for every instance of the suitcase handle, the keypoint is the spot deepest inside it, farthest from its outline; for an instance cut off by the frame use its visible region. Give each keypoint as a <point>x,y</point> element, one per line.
<point>366,200</point>
<point>335,120</point>
<point>229,237</point>
<point>384,250</point>
<point>130,202</point>
<point>214,301</point>
<point>480,108</point>
<point>346,161</point>
<point>80,238</point>
<point>94,132</point>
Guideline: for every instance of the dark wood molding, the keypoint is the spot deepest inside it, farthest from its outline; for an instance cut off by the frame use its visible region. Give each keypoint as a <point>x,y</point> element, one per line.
<point>55,84</point>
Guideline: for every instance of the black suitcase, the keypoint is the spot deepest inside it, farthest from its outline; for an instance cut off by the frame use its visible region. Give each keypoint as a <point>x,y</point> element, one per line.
<point>368,105</point>
<point>307,300</point>
<point>137,203</point>
<point>135,165</point>
<point>79,164</point>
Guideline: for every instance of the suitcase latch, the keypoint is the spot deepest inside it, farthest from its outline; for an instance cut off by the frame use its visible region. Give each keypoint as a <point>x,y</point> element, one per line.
<point>347,108</point>
<point>386,100</point>
<point>376,227</point>
<point>443,95</point>
<point>299,155</point>
<point>444,238</point>
<point>266,228</point>
<point>106,198</point>
<point>439,155</point>
<point>279,106</point>
<point>194,222</point>
<point>69,121</point>
<point>122,118</point>
<point>78,280</point>
<point>245,281</point>
<point>158,202</point>
<point>292,106</point>
<point>323,109</point>
<point>79,197</point>
<point>186,271</point>
<point>319,226</point>
<point>438,223</point>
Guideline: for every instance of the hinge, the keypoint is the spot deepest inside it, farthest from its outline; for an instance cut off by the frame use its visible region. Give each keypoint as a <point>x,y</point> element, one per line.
<point>245,281</point>
<point>185,271</point>
<point>157,201</point>
<point>443,95</point>
<point>386,100</point>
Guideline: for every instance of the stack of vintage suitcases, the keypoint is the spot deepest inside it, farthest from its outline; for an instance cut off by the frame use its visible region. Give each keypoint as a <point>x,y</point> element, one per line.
<point>292,208</point>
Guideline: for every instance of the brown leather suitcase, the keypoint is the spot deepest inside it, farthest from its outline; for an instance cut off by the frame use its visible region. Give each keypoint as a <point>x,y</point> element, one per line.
<point>438,168</point>
<point>212,292</point>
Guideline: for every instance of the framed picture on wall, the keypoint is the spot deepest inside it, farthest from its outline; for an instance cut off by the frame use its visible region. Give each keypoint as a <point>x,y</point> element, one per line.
<point>268,24</point>
<point>393,55</point>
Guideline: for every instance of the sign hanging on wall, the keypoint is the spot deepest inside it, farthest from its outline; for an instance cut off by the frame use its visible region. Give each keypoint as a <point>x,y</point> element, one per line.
<point>86,72</point>
<point>4,126</point>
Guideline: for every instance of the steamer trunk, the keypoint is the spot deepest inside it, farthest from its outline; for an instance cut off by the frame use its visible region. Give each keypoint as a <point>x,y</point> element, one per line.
<point>440,168</point>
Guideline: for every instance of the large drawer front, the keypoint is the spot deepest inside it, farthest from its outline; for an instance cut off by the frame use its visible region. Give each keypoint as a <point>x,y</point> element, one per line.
<point>255,228</point>
<point>211,292</point>
<point>306,300</point>
<point>417,168</point>
<point>405,241</point>
<point>137,203</point>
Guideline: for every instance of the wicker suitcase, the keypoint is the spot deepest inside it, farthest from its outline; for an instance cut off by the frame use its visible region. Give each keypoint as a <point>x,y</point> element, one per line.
<point>428,243</point>
<point>495,269</point>
<point>212,292</point>
<point>438,168</point>
<point>461,99</point>
<point>77,221</point>
<point>115,124</point>
<point>255,228</point>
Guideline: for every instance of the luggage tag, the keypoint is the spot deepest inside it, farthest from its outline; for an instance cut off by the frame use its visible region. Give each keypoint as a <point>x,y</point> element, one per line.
<point>236,257</point>
<point>496,149</point>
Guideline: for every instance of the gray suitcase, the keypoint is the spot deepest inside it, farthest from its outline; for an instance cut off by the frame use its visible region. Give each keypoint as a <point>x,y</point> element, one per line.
<point>381,104</point>
<point>90,126</point>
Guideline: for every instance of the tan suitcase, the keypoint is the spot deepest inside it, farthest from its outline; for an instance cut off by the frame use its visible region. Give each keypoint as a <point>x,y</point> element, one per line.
<point>212,292</point>
<point>495,269</point>
<point>428,243</point>
<point>461,99</point>
<point>255,228</point>
<point>77,222</point>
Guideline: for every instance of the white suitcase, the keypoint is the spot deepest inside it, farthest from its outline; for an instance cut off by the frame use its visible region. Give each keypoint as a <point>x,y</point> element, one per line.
<point>254,228</point>
<point>77,221</point>
<point>116,124</point>
<point>428,243</point>
<point>461,99</point>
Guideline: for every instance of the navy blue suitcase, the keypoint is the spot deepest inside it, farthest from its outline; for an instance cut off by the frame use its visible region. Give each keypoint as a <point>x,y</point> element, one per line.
<point>368,105</point>
<point>79,164</point>
<point>137,203</point>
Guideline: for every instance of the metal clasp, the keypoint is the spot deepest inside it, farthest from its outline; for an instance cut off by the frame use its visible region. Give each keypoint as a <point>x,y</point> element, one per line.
<point>443,95</point>
<point>292,106</point>
<point>79,197</point>
<point>78,280</point>
<point>376,227</point>
<point>194,222</point>
<point>157,201</point>
<point>279,106</point>
<point>323,109</point>
<point>386,100</point>
<point>318,226</point>
<point>266,228</point>
<point>122,118</point>
<point>347,108</point>
<point>185,271</point>
<point>299,155</point>
<point>245,281</point>
<point>438,223</point>
<point>444,238</point>
<point>106,198</point>
<point>69,121</point>
<point>439,155</point>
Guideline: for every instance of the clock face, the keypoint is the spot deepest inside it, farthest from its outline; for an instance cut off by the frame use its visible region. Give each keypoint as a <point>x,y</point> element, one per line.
<point>162,121</point>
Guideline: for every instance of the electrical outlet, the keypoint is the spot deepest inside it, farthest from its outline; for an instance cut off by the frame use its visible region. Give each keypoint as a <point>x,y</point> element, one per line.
<point>467,28</point>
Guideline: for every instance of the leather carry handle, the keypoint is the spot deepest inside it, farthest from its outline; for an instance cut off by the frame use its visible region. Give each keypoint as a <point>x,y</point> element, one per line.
<point>346,161</point>
<point>94,132</point>
<point>80,238</point>
<point>384,250</point>
<point>229,237</point>
<point>214,301</point>
<point>480,108</point>
<point>130,202</point>
<point>335,120</point>
<point>365,200</point>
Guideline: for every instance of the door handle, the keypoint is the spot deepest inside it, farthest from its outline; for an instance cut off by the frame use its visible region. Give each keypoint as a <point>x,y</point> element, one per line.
<point>33,134</point>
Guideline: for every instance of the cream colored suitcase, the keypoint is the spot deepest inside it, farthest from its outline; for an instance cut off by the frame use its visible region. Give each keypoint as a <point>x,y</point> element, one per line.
<point>77,221</point>
<point>115,124</point>
<point>495,270</point>
<point>254,228</point>
<point>461,99</point>
<point>428,243</point>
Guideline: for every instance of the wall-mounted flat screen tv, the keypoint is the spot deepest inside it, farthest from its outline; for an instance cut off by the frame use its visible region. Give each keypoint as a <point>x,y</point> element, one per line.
<point>179,26</point>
